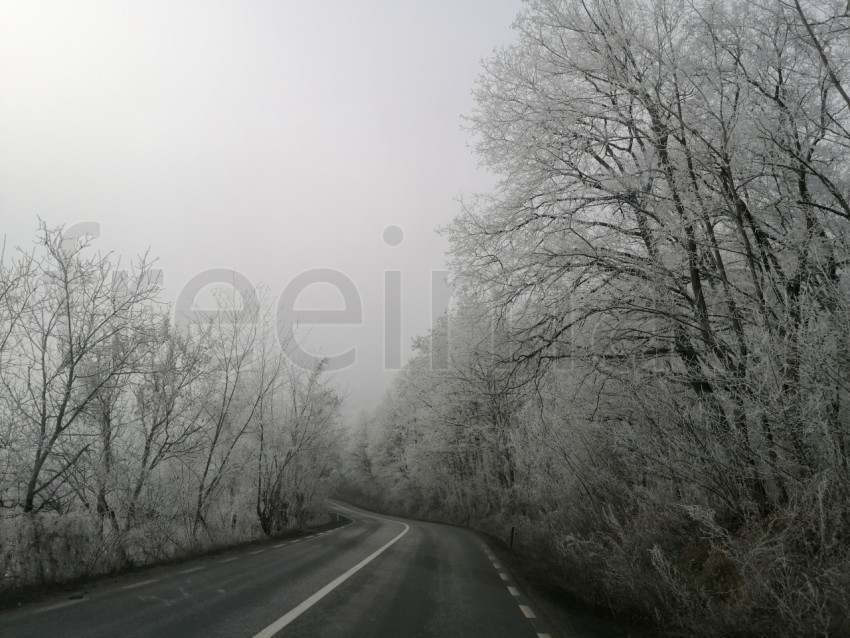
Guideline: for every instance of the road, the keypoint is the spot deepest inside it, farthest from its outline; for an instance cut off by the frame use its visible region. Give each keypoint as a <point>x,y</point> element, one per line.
<point>374,577</point>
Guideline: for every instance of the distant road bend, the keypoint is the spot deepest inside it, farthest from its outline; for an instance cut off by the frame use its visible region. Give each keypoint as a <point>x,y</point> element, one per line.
<point>375,577</point>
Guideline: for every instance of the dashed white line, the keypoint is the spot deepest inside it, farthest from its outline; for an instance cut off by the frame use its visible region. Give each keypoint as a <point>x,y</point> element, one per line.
<point>140,584</point>
<point>191,569</point>
<point>496,565</point>
<point>503,575</point>
<point>227,560</point>
<point>526,611</point>
<point>543,636</point>
<point>514,591</point>
<point>259,551</point>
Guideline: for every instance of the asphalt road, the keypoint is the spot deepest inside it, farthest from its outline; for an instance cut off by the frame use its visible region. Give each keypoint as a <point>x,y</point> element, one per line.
<point>374,577</point>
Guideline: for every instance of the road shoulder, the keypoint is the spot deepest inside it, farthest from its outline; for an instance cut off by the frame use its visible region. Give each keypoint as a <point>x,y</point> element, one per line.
<point>55,593</point>
<point>566,615</point>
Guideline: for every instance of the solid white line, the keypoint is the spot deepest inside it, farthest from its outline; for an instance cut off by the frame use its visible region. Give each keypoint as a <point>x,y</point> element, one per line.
<point>144,582</point>
<point>503,575</point>
<point>66,603</point>
<point>193,569</point>
<point>526,611</point>
<point>514,591</point>
<point>291,615</point>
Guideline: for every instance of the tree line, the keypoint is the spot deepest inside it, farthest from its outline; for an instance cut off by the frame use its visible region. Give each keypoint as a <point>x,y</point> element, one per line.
<point>646,367</point>
<point>129,436</point>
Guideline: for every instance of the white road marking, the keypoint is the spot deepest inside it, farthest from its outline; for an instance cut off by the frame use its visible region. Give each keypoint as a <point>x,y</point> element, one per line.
<point>292,614</point>
<point>192,569</point>
<point>281,545</point>
<point>227,560</point>
<point>514,591</point>
<point>526,611</point>
<point>259,551</point>
<point>503,575</point>
<point>66,603</point>
<point>543,636</point>
<point>496,565</point>
<point>144,582</point>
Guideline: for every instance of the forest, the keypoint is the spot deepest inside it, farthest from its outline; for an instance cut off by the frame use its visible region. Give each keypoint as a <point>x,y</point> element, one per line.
<point>643,377</point>
<point>129,436</point>
<point>645,369</point>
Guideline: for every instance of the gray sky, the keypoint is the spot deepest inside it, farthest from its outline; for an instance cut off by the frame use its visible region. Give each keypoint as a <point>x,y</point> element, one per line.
<point>268,137</point>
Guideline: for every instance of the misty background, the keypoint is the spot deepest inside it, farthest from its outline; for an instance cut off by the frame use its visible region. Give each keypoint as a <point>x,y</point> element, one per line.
<point>268,137</point>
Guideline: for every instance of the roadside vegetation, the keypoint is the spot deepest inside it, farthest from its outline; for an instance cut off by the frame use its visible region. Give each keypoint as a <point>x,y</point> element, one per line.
<point>646,368</point>
<point>127,436</point>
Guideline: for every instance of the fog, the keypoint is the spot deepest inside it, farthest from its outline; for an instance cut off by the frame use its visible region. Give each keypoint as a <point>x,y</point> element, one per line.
<point>267,138</point>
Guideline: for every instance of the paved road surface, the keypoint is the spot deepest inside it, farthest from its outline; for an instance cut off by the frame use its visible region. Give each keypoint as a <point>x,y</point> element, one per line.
<point>374,577</point>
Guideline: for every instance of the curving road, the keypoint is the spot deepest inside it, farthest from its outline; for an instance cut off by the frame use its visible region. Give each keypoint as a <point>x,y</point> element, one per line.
<point>375,577</point>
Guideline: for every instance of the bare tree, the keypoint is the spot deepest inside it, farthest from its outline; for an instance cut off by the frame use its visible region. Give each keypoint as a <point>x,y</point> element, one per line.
<point>295,447</point>
<point>242,373</point>
<point>168,404</point>
<point>79,334</point>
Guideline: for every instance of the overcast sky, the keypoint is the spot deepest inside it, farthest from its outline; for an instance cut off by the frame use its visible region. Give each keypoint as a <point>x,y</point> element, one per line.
<point>267,137</point>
